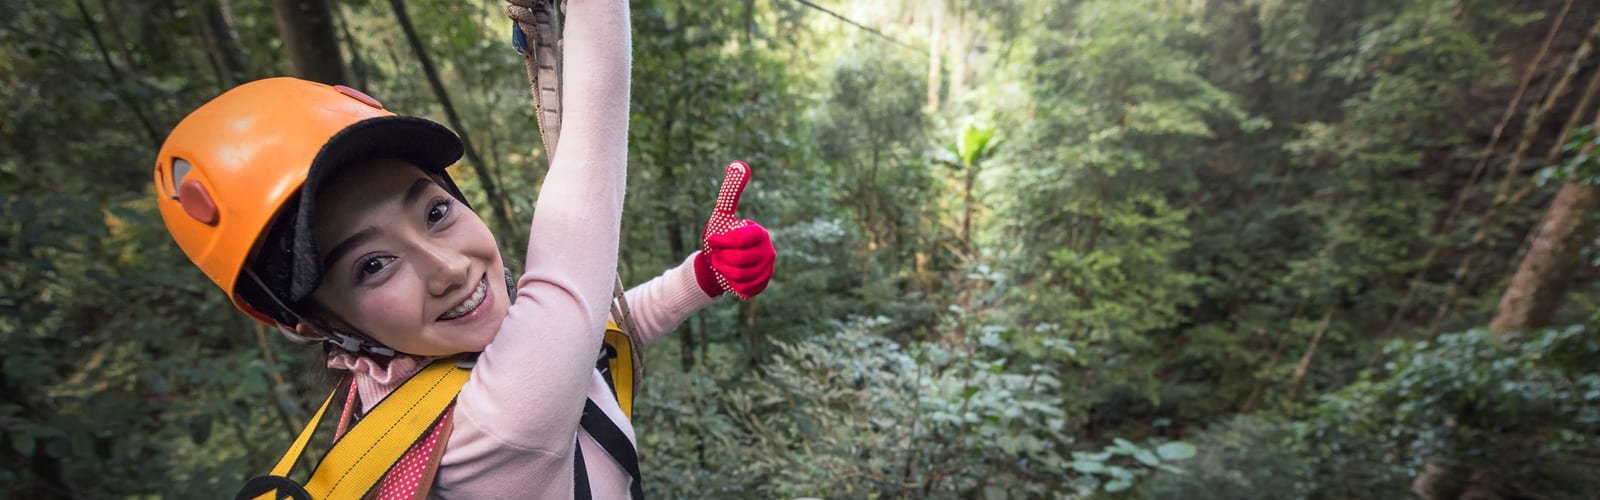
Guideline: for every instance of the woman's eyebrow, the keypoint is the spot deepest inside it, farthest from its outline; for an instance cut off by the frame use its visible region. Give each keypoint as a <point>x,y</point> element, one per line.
<point>344,246</point>
<point>416,190</point>
<point>412,194</point>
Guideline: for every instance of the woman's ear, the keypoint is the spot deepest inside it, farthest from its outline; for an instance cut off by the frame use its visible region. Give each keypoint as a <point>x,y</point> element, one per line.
<point>299,334</point>
<point>315,320</point>
<point>305,330</point>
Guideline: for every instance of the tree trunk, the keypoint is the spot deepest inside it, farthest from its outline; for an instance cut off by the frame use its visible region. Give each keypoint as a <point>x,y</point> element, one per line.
<point>755,348</point>
<point>358,65</point>
<point>677,243</point>
<point>1554,153</point>
<point>288,412</point>
<point>969,207</point>
<point>1311,352</point>
<point>1542,279</point>
<point>117,77</point>
<point>1260,387</point>
<point>935,72</point>
<point>485,178</point>
<point>224,39</point>
<point>749,21</point>
<point>1466,191</point>
<point>1502,195</point>
<point>306,27</point>
<point>958,55</point>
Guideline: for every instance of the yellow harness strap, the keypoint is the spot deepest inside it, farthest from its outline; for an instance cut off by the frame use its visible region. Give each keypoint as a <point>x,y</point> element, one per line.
<point>391,430</point>
<point>360,459</point>
<point>299,446</point>
<point>622,369</point>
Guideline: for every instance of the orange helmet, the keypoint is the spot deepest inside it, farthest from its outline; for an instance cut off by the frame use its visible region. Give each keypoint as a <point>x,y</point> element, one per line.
<point>235,181</point>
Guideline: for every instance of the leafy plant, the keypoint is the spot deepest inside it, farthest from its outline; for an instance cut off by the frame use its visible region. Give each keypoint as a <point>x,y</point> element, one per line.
<point>1511,417</point>
<point>857,414</point>
<point>1583,167</point>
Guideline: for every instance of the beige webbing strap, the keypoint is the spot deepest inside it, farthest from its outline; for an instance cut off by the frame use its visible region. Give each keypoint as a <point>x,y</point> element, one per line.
<point>540,24</point>
<point>624,320</point>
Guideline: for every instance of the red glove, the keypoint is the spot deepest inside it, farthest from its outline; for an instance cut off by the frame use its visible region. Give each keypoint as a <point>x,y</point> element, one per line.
<point>736,254</point>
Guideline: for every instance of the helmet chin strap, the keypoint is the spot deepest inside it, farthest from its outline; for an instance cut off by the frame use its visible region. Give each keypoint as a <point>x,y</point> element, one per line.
<point>330,336</point>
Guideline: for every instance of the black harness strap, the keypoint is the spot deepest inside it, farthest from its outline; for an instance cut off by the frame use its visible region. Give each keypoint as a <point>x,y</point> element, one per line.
<point>282,488</point>
<point>616,444</point>
<point>580,474</point>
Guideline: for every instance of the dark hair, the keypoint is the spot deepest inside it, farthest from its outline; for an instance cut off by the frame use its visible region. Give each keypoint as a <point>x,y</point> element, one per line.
<point>272,262</point>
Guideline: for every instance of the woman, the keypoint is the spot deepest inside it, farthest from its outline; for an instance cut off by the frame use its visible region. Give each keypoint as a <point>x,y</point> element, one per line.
<point>322,213</point>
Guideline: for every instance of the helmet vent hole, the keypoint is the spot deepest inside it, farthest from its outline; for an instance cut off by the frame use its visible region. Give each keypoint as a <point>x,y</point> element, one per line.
<point>180,169</point>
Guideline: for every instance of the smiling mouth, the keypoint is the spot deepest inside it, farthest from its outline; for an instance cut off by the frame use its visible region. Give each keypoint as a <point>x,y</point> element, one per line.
<point>469,305</point>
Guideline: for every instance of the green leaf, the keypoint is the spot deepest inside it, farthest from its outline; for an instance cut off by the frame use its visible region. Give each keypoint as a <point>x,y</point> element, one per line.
<point>1176,450</point>
<point>1145,457</point>
<point>1119,484</point>
<point>200,429</point>
<point>23,443</point>
<point>995,492</point>
<point>1088,467</point>
<point>1122,447</point>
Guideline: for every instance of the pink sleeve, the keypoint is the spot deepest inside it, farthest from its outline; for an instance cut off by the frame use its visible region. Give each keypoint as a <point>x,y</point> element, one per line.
<point>527,390</point>
<point>660,304</point>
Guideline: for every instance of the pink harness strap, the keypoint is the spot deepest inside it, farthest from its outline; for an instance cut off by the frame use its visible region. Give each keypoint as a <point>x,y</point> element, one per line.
<point>405,480</point>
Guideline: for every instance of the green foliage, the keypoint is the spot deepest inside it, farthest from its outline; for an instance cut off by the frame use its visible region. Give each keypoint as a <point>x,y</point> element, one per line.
<point>975,144</point>
<point>1241,457</point>
<point>1583,167</point>
<point>1098,243</point>
<point>1468,410</point>
<point>857,414</point>
<point>1517,416</point>
<point>1119,477</point>
<point>124,371</point>
<point>1188,194</point>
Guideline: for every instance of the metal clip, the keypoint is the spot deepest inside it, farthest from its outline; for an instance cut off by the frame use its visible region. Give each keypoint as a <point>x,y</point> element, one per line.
<point>352,344</point>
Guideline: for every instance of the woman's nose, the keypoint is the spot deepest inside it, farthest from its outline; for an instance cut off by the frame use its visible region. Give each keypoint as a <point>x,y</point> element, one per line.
<point>448,269</point>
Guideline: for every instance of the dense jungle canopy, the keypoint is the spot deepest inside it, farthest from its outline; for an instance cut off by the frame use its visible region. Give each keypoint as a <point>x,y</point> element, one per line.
<point>1027,248</point>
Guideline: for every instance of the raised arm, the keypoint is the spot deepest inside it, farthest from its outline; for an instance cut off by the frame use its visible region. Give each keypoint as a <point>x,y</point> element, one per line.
<point>528,388</point>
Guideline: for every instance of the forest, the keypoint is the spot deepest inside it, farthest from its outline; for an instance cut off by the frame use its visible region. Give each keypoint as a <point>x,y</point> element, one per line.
<point>1026,248</point>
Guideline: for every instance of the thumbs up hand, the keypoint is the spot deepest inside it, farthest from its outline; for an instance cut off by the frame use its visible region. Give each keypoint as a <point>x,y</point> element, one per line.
<point>736,255</point>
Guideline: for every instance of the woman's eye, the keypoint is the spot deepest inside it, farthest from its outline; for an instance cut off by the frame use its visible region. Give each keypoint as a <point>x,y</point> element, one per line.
<point>374,265</point>
<point>438,211</point>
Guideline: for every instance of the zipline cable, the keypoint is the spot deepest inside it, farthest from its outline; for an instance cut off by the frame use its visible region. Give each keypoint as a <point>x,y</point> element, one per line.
<point>869,29</point>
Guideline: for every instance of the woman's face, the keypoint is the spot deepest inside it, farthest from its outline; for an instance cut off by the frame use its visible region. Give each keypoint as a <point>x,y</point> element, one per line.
<point>406,263</point>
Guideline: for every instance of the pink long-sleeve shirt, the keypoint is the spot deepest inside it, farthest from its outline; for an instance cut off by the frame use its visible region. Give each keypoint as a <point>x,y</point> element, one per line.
<point>505,445</point>
<point>516,419</point>
<point>657,305</point>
